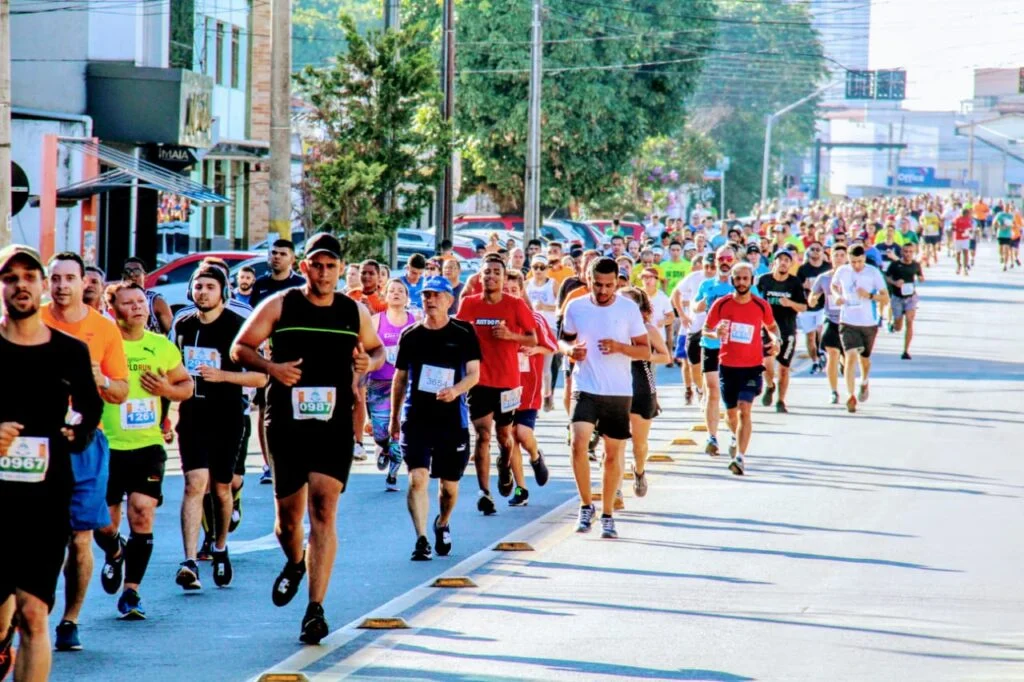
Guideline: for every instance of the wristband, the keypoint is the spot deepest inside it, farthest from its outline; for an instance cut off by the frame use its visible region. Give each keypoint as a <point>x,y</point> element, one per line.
<point>106,383</point>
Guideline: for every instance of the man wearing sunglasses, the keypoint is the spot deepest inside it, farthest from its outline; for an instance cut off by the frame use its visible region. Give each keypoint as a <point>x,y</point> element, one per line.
<point>811,320</point>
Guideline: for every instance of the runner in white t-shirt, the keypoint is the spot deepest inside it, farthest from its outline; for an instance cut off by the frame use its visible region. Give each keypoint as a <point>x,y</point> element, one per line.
<point>691,323</point>
<point>542,292</point>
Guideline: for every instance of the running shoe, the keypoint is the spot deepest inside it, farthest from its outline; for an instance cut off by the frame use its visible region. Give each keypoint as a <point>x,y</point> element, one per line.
<point>383,457</point>
<point>905,356</point>
<point>639,482</point>
<point>736,465</point>
<point>485,504</point>
<point>592,456</point>
<point>834,398</point>
<point>711,447</point>
<point>222,571</point>
<point>130,606</point>
<point>769,393</point>
<point>394,467</point>
<point>688,396</point>
<point>287,583</point>
<point>422,552</point>
<point>205,552</point>
<point>112,572</point>
<point>863,395</point>
<point>442,538</point>
<point>358,453</point>
<point>586,518</point>
<point>266,478</point>
<point>851,404</point>
<point>505,480</point>
<point>67,637</point>
<point>540,469</point>
<point>7,653</point>
<point>236,510</point>
<point>568,434</point>
<point>608,531</point>
<point>780,406</point>
<point>892,328</point>
<point>391,484</point>
<point>521,497</point>
<point>314,625</point>
<point>549,404</point>
<point>734,446</point>
<point>620,502</point>
<point>188,576</point>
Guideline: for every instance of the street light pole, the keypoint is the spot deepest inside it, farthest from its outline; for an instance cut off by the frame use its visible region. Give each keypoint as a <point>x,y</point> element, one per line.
<point>392,22</point>
<point>531,215</point>
<point>768,134</point>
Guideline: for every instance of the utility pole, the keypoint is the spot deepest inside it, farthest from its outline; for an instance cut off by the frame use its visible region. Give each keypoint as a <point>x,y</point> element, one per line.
<point>970,156</point>
<point>892,173</point>
<point>896,171</point>
<point>769,123</point>
<point>446,190</point>
<point>280,118</point>
<point>392,22</point>
<point>5,123</point>
<point>391,16</point>
<point>531,215</point>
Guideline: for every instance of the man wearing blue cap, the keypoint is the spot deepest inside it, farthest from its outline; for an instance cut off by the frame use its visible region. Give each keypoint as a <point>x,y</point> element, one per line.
<point>438,362</point>
<point>785,293</point>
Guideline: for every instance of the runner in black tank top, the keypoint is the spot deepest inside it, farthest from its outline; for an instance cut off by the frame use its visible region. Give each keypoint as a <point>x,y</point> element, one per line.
<point>318,340</point>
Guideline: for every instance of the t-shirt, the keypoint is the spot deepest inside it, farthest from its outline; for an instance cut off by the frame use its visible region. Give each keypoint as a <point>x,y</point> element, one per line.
<point>963,227</point>
<point>415,291</point>
<point>100,335</point>
<point>710,291</point>
<point>209,344</point>
<point>1004,225</point>
<point>673,272</point>
<point>897,238</point>
<point>807,273</point>
<point>266,286</point>
<point>857,311</point>
<point>532,367</point>
<point>662,306</point>
<point>741,344</point>
<point>890,253</point>
<point>823,287</point>
<point>135,423</point>
<point>372,301</point>
<point>930,224</point>
<point>906,272</point>
<point>774,291</point>
<point>559,273</point>
<point>499,366</point>
<point>688,292</point>
<point>436,359</point>
<point>909,237</point>
<point>600,374</point>
<point>543,294</point>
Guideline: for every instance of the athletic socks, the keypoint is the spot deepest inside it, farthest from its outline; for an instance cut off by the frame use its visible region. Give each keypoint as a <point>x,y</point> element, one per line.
<point>136,556</point>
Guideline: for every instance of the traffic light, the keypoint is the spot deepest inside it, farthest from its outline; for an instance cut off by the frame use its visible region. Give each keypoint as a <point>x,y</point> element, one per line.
<point>891,85</point>
<point>859,84</point>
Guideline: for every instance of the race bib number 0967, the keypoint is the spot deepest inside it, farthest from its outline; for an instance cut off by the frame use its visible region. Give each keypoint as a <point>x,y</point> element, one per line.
<point>26,461</point>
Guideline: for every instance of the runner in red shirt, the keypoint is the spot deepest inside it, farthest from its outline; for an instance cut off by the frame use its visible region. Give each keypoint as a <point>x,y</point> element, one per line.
<point>963,228</point>
<point>532,366</point>
<point>502,325</point>
<point>737,321</point>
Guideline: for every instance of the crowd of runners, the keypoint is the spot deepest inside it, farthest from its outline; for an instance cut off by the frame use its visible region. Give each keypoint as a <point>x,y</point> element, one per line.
<point>422,369</point>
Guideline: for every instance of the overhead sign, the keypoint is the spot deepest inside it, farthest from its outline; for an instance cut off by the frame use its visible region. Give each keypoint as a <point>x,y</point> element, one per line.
<point>712,174</point>
<point>172,157</point>
<point>19,188</point>
<point>918,176</point>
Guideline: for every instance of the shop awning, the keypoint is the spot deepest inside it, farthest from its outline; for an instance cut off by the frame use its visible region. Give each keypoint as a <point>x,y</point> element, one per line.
<point>238,150</point>
<point>127,169</point>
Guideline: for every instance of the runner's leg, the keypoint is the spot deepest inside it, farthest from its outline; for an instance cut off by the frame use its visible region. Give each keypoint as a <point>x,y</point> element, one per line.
<point>581,433</point>
<point>139,549</point>
<point>614,455</point>
<point>640,429</point>
<point>324,492</point>
<point>34,659</point>
<point>288,524</point>
<point>482,451</point>
<point>448,495</point>
<point>713,406</point>
<point>417,499</point>
<point>77,573</point>
<point>196,482</point>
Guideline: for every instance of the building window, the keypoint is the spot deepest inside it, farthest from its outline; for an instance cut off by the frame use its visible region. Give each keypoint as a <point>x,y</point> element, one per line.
<point>219,75</point>
<point>220,212</point>
<point>236,41</point>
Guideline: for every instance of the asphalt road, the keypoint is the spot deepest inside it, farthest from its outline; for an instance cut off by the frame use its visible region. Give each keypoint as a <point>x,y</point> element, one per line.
<point>881,545</point>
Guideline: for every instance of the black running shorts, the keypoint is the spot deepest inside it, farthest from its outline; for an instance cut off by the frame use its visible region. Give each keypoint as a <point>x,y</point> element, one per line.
<point>856,337</point>
<point>830,337</point>
<point>610,414</point>
<point>211,447</point>
<point>297,450</point>
<point>136,471</point>
<point>34,552</point>
<point>485,401</point>
<point>709,360</point>
<point>739,384</point>
<point>444,451</point>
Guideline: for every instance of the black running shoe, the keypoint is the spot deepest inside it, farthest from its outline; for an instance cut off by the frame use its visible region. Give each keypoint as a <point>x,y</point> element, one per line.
<point>781,407</point>
<point>314,625</point>
<point>540,469</point>
<point>287,583</point>
<point>505,481</point>
<point>520,499</point>
<point>905,356</point>
<point>266,478</point>
<point>67,637</point>
<point>442,538</point>
<point>112,572</point>
<point>769,393</point>
<point>422,551</point>
<point>485,504</point>
<point>383,457</point>
<point>222,572</point>
<point>188,576</point>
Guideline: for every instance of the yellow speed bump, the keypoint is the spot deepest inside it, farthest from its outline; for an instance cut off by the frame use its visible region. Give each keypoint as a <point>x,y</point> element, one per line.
<point>699,427</point>
<point>283,677</point>
<point>660,458</point>
<point>596,495</point>
<point>627,476</point>
<point>454,581</point>
<point>514,546</point>
<point>383,624</point>
<point>684,441</point>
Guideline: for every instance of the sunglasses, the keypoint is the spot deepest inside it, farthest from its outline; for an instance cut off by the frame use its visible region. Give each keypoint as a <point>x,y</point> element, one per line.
<point>134,271</point>
<point>540,267</point>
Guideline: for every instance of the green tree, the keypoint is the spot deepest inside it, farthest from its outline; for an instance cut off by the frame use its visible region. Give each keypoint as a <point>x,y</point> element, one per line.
<point>766,56</point>
<point>377,144</point>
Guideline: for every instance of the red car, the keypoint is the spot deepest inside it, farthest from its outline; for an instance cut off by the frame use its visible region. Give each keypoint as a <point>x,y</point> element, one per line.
<point>181,269</point>
<point>489,222</point>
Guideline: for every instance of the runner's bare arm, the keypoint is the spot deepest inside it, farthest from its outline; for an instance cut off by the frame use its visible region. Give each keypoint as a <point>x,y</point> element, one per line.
<point>247,379</point>
<point>163,314</point>
<point>638,348</point>
<point>255,331</point>
<point>659,351</point>
<point>399,385</point>
<point>116,393</point>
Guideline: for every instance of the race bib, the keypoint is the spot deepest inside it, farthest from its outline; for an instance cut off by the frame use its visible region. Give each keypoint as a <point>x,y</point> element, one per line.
<point>740,332</point>
<point>907,289</point>
<point>196,356</point>
<point>510,399</point>
<point>854,300</point>
<point>139,413</point>
<point>524,362</point>
<point>26,460</point>
<point>390,354</point>
<point>314,402</point>
<point>434,379</point>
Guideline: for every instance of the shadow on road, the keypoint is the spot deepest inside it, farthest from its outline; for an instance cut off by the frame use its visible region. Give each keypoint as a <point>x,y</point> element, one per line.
<point>770,524</point>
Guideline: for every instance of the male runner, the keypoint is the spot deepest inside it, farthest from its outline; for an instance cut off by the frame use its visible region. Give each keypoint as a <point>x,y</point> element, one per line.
<point>92,294</point>
<point>691,322</point>
<point>902,277</point>
<point>931,228</point>
<point>69,314</point>
<point>318,340</point>
<point>210,420</point>
<point>246,278</point>
<point>413,279</point>
<point>785,293</point>
<point>137,455</point>
<point>1003,223</point>
<point>738,322</point>
<point>438,362</point>
<point>45,372</point>
<point>134,271</point>
<point>963,232</point>
<point>810,321</point>
<point>602,333</point>
<point>859,290</point>
<point>502,325</point>
<point>822,289</point>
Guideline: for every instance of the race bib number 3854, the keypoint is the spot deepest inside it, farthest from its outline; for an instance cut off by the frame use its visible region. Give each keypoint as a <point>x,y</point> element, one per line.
<point>26,460</point>
<point>314,402</point>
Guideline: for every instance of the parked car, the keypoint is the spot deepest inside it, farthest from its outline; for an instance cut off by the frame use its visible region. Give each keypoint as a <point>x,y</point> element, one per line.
<point>298,238</point>
<point>638,229</point>
<point>589,236</point>
<point>493,223</point>
<point>171,280</point>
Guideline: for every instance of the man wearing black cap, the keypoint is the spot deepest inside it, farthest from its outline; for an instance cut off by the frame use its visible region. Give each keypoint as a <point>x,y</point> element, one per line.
<point>46,371</point>
<point>785,293</point>
<point>319,341</point>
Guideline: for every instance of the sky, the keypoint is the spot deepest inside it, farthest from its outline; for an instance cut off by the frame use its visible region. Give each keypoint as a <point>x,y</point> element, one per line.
<point>941,42</point>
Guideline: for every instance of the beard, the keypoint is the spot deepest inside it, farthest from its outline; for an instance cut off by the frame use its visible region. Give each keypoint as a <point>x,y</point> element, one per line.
<point>741,289</point>
<point>13,311</point>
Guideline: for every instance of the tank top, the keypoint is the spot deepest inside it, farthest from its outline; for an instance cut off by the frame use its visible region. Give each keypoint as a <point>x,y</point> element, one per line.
<point>153,324</point>
<point>389,335</point>
<point>643,378</point>
<point>324,338</point>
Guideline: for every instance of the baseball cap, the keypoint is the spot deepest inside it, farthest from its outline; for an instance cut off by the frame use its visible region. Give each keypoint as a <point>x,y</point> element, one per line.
<point>14,251</point>
<point>784,252</point>
<point>538,259</point>
<point>624,273</point>
<point>709,258</point>
<point>323,242</point>
<point>439,285</point>
<point>689,246</point>
<point>576,252</point>
<point>753,248</point>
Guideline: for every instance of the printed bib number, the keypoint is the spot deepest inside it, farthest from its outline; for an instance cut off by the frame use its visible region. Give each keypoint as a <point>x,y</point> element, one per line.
<point>390,354</point>
<point>314,402</point>
<point>741,333</point>
<point>510,399</point>
<point>196,356</point>
<point>137,414</point>
<point>854,300</point>
<point>26,460</point>
<point>907,289</point>
<point>524,362</point>
<point>434,379</point>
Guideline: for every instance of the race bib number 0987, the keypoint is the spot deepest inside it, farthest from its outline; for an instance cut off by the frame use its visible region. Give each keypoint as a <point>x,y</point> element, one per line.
<point>314,402</point>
